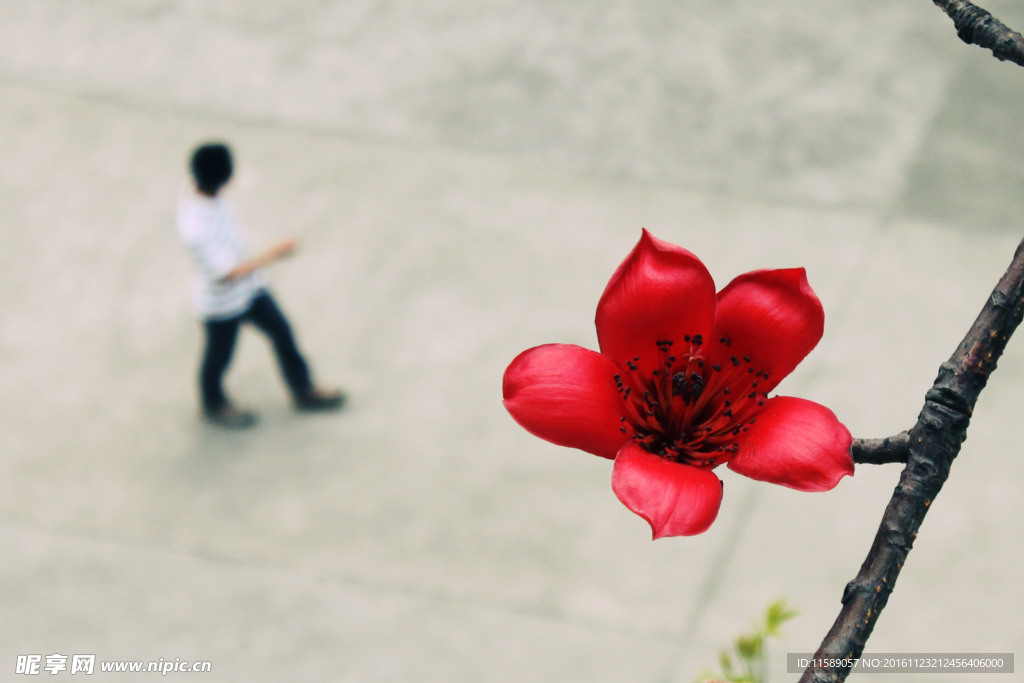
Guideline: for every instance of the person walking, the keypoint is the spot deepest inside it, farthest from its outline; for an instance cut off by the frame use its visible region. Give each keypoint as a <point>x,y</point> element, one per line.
<point>229,288</point>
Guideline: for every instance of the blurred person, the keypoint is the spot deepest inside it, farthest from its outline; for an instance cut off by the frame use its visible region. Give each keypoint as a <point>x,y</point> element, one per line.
<point>229,288</point>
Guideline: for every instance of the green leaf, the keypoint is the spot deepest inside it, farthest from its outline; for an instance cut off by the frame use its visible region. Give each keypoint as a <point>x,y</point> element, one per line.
<point>777,614</point>
<point>750,646</point>
<point>725,661</point>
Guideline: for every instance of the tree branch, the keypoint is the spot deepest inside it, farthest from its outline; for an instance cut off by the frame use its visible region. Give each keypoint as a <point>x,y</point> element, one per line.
<point>932,444</point>
<point>881,451</point>
<point>977,26</point>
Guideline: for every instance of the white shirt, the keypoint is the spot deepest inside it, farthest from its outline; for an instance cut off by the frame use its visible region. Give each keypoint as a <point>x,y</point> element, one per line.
<point>210,231</point>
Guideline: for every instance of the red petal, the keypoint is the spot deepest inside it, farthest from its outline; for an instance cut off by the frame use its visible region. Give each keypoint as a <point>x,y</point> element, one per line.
<point>675,499</point>
<point>772,317</point>
<point>661,292</point>
<point>796,443</point>
<point>567,395</point>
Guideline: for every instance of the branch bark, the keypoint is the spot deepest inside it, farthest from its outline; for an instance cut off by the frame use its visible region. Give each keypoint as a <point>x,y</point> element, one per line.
<point>977,26</point>
<point>931,446</point>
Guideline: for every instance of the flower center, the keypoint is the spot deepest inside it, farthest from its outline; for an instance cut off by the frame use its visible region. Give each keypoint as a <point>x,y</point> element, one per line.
<point>689,409</point>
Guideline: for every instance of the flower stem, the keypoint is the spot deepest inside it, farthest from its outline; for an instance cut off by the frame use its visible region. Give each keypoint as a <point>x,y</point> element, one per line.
<point>881,451</point>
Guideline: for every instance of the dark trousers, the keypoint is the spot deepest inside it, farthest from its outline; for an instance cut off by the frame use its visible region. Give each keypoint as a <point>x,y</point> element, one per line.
<point>220,345</point>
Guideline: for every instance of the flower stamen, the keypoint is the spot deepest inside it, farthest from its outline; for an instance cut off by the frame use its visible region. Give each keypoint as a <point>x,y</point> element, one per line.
<point>679,411</point>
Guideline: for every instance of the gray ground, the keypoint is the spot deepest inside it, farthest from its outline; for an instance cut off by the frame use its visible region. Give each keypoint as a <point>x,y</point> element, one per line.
<point>465,177</point>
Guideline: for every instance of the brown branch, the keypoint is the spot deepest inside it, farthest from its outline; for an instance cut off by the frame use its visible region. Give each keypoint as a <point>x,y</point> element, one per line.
<point>977,26</point>
<point>933,443</point>
<point>881,451</point>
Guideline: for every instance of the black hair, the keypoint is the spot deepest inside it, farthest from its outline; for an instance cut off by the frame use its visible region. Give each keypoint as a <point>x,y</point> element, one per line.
<point>211,167</point>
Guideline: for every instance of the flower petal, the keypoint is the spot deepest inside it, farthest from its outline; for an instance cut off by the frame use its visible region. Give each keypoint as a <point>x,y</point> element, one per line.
<point>795,443</point>
<point>567,395</point>
<point>675,499</point>
<point>772,317</point>
<point>660,292</point>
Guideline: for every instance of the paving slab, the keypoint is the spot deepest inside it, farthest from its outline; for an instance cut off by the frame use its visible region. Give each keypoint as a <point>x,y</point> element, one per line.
<point>821,103</point>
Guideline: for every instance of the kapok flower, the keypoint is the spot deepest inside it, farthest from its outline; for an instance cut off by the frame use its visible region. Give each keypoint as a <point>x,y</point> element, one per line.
<point>681,386</point>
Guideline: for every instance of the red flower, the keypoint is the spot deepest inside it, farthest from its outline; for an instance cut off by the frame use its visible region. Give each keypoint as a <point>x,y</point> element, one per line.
<point>681,386</point>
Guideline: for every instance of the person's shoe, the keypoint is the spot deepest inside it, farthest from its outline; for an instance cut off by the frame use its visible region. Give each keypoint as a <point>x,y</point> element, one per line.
<point>230,417</point>
<point>317,399</point>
